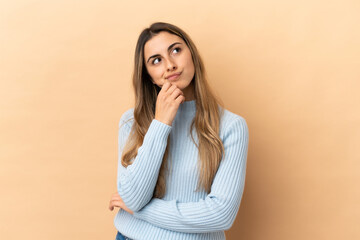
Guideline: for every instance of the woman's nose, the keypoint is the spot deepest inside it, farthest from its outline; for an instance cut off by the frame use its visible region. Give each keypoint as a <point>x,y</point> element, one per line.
<point>171,65</point>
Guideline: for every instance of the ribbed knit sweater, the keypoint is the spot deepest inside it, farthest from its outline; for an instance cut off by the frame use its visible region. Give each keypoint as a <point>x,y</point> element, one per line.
<point>182,213</point>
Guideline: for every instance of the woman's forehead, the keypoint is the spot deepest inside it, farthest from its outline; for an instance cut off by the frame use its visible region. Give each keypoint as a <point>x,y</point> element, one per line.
<point>160,43</point>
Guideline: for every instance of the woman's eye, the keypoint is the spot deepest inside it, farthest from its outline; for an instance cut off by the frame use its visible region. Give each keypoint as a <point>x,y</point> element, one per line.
<point>155,62</point>
<point>177,49</point>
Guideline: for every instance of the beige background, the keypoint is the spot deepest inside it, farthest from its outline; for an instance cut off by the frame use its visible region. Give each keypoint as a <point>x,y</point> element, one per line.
<point>290,68</point>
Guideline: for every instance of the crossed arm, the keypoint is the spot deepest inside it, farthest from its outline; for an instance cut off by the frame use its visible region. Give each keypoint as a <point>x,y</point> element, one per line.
<point>219,208</point>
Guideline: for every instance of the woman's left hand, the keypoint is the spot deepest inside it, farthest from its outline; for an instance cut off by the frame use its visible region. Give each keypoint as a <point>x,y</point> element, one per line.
<point>116,201</point>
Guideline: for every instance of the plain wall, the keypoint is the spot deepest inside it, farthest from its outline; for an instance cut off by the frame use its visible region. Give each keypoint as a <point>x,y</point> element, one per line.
<point>290,68</point>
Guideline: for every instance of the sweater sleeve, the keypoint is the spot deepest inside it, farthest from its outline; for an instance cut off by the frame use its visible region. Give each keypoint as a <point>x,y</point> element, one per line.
<point>136,182</point>
<point>219,208</point>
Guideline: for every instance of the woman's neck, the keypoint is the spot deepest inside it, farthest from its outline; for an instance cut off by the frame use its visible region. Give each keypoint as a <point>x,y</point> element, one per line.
<point>189,92</point>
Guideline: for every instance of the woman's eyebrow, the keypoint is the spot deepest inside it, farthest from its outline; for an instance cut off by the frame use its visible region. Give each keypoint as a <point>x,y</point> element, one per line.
<point>156,55</point>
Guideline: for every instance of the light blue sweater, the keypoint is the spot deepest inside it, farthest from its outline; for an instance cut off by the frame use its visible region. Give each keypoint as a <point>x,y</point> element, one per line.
<point>183,213</point>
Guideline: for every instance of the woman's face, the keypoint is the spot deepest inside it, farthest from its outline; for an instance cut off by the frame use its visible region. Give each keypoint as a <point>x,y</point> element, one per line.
<point>167,54</point>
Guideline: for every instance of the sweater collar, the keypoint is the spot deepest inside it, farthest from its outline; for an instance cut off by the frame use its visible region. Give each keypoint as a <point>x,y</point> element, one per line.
<point>188,106</point>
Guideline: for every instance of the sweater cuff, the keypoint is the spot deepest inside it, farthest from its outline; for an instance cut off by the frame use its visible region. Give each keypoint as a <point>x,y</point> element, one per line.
<point>158,129</point>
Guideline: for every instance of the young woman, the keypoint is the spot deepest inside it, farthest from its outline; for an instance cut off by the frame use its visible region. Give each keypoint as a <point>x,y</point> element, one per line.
<point>182,156</point>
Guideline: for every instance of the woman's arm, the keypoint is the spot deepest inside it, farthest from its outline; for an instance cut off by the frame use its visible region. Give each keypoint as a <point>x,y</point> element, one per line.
<point>219,209</point>
<point>136,183</point>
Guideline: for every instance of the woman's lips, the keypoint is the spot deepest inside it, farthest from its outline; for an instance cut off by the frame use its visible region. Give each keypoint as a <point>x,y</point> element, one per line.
<point>174,77</point>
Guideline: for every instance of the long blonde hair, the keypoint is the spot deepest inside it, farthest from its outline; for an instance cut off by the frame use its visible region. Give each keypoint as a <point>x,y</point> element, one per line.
<point>206,121</point>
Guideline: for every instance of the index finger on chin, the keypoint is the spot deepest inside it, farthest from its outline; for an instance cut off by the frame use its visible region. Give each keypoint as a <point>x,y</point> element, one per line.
<point>166,85</point>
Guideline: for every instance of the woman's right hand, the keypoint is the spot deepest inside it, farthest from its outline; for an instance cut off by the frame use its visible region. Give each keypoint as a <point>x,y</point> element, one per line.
<point>167,103</point>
